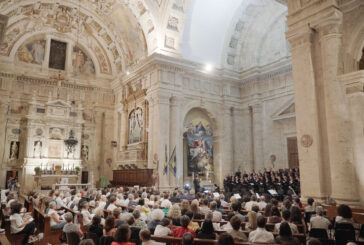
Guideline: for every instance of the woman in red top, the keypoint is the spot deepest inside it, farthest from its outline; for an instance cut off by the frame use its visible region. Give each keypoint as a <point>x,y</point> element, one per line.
<point>122,236</point>
<point>178,232</point>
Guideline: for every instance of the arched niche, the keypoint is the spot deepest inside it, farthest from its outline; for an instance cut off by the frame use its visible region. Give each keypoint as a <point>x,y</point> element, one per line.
<point>198,146</point>
<point>361,61</point>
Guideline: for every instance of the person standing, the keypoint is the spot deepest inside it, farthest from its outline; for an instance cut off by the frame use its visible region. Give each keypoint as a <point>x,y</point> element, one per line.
<point>196,183</point>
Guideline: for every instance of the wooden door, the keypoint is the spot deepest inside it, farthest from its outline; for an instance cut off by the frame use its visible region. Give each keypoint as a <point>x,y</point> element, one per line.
<point>292,150</point>
<point>84,178</point>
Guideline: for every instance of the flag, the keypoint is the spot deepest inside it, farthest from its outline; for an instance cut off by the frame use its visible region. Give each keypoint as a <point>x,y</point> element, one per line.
<point>165,169</point>
<point>173,162</point>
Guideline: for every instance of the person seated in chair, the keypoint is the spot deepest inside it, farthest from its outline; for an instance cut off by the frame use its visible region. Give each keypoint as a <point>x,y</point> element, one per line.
<point>286,215</point>
<point>285,235</point>
<point>145,236</point>
<point>122,236</point>
<point>178,232</point>
<point>236,232</point>
<point>318,221</point>
<point>261,235</point>
<point>56,221</point>
<point>96,226</point>
<point>70,226</point>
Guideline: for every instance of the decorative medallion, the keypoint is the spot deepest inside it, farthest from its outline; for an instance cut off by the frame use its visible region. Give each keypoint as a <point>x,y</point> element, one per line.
<point>306,140</point>
<point>39,131</point>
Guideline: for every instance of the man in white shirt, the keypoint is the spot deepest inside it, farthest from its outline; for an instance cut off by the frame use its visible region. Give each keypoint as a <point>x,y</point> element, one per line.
<point>319,222</point>
<point>102,202</point>
<point>262,204</point>
<point>112,205</point>
<point>251,203</point>
<point>216,215</point>
<point>286,215</point>
<point>223,202</point>
<point>261,235</point>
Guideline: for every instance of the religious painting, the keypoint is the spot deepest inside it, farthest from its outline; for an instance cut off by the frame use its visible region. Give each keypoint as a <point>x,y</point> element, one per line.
<point>57,55</point>
<point>14,150</point>
<point>32,52</point>
<point>56,133</point>
<point>200,146</point>
<point>81,62</point>
<point>136,126</point>
<point>134,41</point>
<point>55,149</point>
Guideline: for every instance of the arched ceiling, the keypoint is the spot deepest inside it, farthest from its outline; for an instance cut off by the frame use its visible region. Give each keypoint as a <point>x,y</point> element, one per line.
<point>116,34</point>
<point>235,34</point>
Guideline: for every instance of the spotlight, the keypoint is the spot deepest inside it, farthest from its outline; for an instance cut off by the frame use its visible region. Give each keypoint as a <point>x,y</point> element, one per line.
<point>209,67</point>
<point>127,73</point>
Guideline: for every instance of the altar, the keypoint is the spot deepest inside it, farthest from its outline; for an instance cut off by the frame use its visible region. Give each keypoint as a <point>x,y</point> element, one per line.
<point>49,181</point>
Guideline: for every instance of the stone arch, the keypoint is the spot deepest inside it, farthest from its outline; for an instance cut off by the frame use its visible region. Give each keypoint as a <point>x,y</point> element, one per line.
<point>248,31</point>
<point>354,47</point>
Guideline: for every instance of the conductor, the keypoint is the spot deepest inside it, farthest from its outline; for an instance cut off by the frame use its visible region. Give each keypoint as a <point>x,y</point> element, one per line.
<point>196,183</point>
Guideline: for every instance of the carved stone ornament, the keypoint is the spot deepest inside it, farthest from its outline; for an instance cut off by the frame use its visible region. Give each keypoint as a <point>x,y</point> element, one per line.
<point>306,140</point>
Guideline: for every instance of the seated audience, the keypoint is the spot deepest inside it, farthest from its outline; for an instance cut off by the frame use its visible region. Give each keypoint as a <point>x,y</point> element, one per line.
<point>236,232</point>
<point>216,215</point>
<point>285,235</point>
<point>262,204</point>
<point>134,235</point>
<point>275,216</point>
<point>145,236</point>
<point>207,231</point>
<point>195,210</point>
<point>185,206</point>
<point>178,232</point>
<point>86,216</point>
<point>56,221</point>
<point>112,204</point>
<point>175,214</point>
<point>70,226</point>
<point>344,214</point>
<point>109,228</point>
<point>138,221</point>
<point>122,236</point>
<point>261,235</point>
<point>225,239</point>
<point>20,225</point>
<point>251,203</point>
<point>96,226</point>
<point>162,229</point>
<point>156,216</point>
<point>192,225</point>
<point>87,242</point>
<point>236,207</point>
<point>286,215</point>
<point>252,221</point>
<point>187,239</point>
<point>318,221</point>
<point>309,207</point>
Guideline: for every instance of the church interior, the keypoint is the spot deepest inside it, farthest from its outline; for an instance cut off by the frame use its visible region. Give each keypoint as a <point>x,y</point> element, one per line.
<point>172,94</point>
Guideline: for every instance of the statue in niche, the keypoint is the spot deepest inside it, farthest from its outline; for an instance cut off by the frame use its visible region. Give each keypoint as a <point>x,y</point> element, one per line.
<point>84,152</point>
<point>37,151</point>
<point>14,150</point>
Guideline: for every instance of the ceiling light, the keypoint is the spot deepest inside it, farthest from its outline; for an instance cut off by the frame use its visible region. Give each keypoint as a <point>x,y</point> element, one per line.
<point>209,67</point>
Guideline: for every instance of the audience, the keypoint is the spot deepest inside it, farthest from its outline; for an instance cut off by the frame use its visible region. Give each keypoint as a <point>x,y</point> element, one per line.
<point>122,236</point>
<point>261,235</point>
<point>285,235</point>
<point>96,226</point>
<point>225,239</point>
<point>134,215</point>
<point>207,231</point>
<point>187,238</point>
<point>236,232</point>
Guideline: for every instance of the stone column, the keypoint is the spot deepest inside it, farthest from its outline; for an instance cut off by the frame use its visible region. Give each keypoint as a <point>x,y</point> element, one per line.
<point>161,134</point>
<point>3,111</point>
<point>125,127</point>
<point>343,180</point>
<point>176,141</point>
<point>151,161</point>
<point>258,136</point>
<point>226,146</point>
<point>310,149</point>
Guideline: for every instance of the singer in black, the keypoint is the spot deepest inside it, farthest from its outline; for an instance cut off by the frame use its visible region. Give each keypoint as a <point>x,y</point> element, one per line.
<point>196,183</point>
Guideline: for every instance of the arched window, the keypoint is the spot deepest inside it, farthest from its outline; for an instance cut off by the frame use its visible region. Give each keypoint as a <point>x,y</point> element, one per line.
<point>361,62</point>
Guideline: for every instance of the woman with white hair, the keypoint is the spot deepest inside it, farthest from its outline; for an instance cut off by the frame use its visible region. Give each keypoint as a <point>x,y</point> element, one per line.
<point>156,215</point>
<point>56,221</point>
